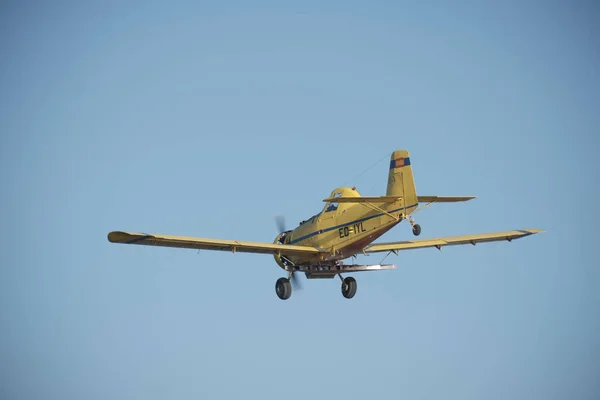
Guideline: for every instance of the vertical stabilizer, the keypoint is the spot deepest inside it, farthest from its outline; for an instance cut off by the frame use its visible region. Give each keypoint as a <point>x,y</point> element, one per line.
<point>400,179</point>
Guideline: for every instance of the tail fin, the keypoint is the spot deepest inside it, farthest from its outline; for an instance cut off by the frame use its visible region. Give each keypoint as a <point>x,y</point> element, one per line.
<point>400,179</point>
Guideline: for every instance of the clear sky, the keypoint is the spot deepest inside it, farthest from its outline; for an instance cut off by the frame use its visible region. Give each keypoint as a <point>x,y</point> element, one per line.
<point>208,119</point>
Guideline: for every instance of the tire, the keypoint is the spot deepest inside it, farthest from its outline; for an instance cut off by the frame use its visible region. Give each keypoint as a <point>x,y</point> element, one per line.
<point>283,288</point>
<point>349,287</point>
<point>416,229</point>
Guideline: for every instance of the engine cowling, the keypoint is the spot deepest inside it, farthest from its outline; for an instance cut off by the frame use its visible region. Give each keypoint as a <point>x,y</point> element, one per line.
<point>280,260</point>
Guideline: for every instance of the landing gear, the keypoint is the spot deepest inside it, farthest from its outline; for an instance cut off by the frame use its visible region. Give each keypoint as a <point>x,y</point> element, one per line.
<point>416,229</point>
<point>283,288</point>
<point>348,287</point>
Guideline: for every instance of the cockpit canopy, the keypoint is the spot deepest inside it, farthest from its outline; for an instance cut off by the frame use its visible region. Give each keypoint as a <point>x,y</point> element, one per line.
<point>331,207</point>
<point>340,192</point>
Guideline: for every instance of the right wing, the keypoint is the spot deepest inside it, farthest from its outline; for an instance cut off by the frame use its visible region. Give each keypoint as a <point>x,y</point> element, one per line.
<point>450,241</point>
<point>211,244</point>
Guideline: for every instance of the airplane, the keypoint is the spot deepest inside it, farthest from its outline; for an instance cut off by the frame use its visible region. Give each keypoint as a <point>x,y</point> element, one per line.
<point>347,226</point>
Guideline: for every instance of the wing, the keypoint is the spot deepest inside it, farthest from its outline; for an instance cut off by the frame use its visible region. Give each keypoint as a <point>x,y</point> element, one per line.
<point>451,241</point>
<point>444,199</point>
<point>211,244</point>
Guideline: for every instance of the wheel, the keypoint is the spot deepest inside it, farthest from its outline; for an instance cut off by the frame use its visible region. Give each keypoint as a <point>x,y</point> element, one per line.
<point>349,287</point>
<point>283,288</point>
<point>416,229</point>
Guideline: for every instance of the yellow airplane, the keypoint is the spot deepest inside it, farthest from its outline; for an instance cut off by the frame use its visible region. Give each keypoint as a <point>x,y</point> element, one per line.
<point>345,227</point>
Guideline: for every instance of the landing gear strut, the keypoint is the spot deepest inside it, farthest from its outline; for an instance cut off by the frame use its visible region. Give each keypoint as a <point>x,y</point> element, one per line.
<point>283,288</point>
<point>416,228</point>
<point>348,287</point>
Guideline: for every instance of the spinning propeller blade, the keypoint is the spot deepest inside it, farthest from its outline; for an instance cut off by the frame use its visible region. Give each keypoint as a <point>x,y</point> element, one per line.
<point>280,221</point>
<point>294,279</point>
<point>296,283</point>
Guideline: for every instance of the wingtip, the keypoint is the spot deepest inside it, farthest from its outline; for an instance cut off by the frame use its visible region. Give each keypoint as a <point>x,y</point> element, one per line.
<point>116,236</point>
<point>531,231</point>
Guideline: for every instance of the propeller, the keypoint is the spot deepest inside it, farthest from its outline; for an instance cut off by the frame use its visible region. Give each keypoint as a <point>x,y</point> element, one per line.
<point>296,283</point>
<point>280,221</point>
<point>294,279</point>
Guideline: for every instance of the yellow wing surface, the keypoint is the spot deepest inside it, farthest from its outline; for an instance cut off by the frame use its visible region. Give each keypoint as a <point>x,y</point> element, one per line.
<point>211,244</point>
<point>451,241</point>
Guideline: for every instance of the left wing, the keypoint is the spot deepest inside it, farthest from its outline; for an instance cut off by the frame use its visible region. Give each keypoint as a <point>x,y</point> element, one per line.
<point>211,244</point>
<point>450,241</point>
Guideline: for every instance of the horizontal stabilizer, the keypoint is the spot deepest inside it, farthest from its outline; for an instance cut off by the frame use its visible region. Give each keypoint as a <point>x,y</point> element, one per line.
<point>379,199</point>
<point>444,199</point>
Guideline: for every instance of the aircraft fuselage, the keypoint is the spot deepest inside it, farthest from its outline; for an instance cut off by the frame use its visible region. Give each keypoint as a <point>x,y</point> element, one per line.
<point>344,228</point>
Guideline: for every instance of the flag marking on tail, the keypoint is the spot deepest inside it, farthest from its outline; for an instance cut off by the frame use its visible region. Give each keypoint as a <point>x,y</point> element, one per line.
<point>400,162</point>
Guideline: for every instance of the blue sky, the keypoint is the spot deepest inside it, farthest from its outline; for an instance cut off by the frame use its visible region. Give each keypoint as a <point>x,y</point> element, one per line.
<point>209,119</point>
